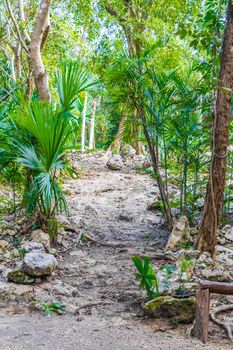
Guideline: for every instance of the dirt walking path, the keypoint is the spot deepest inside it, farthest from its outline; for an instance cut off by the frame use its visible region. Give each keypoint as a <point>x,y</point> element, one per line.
<point>96,283</point>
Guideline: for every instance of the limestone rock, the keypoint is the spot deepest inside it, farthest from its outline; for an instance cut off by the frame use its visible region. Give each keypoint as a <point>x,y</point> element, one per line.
<point>212,270</point>
<point>3,245</point>
<point>39,264</point>
<point>180,233</point>
<point>63,220</point>
<point>193,231</point>
<point>180,309</point>
<point>10,292</point>
<point>127,151</point>
<point>53,251</point>
<point>30,247</point>
<point>8,232</point>
<point>18,276</point>
<point>41,237</point>
<point>15,253</point>
<point>115,162</point>
<point>229,235</point>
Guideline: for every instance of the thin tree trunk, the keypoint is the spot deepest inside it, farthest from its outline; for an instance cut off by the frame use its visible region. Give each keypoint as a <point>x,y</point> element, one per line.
<point>216,184</point>
<point>37,42</point>
<point>84,123</point>
<point>92,127</point>
<point>116,143</point>
<point>154,159</point>
<point>12,65</point>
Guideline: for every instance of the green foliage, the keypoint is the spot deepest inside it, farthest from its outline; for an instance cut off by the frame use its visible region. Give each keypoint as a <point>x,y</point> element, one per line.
<point>146,276</point>
<point>72,79</point>
<point>185,265</point>
<point>51,308</point>
<point>22,252</point>
<point>169,269</point>
<point>40,136</point>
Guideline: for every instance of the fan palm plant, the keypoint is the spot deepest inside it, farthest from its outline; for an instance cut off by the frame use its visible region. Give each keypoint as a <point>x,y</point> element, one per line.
<point>45,158</point>
<point>41,139</point>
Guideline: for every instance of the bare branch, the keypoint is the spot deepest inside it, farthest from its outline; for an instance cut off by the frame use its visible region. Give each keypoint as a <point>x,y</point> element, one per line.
<point>23,19</point>
<point>16,26</point>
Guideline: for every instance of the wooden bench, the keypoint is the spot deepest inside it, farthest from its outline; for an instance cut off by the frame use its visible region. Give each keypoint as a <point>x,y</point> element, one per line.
<point>200,329</point>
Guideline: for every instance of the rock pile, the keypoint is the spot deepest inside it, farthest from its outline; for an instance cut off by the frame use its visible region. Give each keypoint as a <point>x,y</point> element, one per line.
<point>36,261</point>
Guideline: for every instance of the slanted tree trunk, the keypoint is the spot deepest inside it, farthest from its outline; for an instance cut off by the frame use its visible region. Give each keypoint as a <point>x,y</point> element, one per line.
<point>116,143</point>
<point>216,184</point>
<point>155,164</point>
<point>84,123</point>
<point>39,36</point>
<point>92,127</point>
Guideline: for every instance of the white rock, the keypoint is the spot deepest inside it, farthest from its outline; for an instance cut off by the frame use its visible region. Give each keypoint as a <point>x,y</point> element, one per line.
<point>180,233</point>
<point>33,247</point>
<point>41,237</point>
<point>127,151</point>
<point>39,264</point>
<point>115,162</point>
<point>229,234</point>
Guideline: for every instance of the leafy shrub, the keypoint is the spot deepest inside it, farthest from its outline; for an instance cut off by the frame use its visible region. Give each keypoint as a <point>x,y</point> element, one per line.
<point>146,275</point>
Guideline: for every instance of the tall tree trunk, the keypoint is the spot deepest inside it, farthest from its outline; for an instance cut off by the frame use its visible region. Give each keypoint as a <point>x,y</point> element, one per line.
<point>84,123</point>
<point>216,184</point>
<point>39,36</point>
<point>92,127</point>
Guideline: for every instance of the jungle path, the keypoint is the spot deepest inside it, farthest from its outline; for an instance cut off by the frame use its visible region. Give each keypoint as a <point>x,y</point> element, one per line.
<point>96,282</point>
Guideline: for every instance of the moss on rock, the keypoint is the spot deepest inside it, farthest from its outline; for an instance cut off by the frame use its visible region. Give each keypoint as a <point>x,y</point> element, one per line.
<point>18,276</point>
<point>182,310</point>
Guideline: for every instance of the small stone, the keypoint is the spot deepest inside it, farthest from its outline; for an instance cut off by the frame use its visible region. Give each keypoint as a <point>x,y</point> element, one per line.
<point>15,253</point>
<point>115,162</point>
<point>39,264</point>
<point>41,237</point>
<point>127,151</point>
<point>229,235</point>
<point>18,276</point>
<point>8,232</point>
<point>126,217</point>
<point>30,247</point>
<point>53,251</point>
<point>193,231</point>
<point>3,245</point>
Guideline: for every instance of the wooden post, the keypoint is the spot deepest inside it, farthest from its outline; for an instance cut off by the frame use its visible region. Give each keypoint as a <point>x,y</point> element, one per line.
<point>202,315</point>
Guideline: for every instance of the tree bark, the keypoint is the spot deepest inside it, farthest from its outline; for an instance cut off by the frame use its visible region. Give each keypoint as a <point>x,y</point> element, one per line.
<point>155,164</point>
<point>84,123</point>
<point>116,143</point>
<point>92,127</point>
<point>39,36</point>
<point>216,184</point>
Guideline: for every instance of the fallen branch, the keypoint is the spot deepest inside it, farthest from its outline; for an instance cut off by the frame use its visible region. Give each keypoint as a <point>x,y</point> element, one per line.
<point>93,304</point>
<point>226,326</point>
<point>103,244</point>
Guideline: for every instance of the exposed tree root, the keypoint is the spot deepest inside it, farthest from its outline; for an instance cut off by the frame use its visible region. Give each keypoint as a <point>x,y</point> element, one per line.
<point>104,244</point>
<point>226,326</point>
<point>92,305</point>
<point>81,235</point>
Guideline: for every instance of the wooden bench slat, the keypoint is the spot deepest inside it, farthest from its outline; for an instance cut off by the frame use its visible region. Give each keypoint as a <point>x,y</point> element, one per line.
<point>217,287</point>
